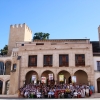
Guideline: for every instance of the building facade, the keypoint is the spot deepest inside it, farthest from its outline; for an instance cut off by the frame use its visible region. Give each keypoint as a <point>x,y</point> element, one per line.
<point>40,58</point>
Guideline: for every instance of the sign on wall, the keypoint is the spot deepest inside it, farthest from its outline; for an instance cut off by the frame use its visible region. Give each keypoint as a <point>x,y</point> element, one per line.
<point>33,77</point>
<point>73,79</point>
<point>50,76</point>
<point>61,77</point>
<point>43,79</point>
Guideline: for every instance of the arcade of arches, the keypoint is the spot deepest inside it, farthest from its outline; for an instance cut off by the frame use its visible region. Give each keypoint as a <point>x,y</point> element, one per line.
<point>6,90</point>
<point>5,68</point>
<point>81,77</point>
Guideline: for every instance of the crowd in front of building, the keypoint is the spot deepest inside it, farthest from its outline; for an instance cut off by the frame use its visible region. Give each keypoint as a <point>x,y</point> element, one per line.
<point>71,90</point>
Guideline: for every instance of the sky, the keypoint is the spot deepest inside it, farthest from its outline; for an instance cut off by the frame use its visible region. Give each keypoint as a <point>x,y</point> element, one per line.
<point>62,19</point>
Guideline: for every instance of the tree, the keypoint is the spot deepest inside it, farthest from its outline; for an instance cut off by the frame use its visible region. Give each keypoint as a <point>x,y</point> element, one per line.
<point>4,50</point>
<point>41,36</point>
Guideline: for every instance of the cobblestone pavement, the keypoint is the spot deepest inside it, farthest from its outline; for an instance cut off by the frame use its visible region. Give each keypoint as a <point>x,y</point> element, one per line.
<point>95,95</point>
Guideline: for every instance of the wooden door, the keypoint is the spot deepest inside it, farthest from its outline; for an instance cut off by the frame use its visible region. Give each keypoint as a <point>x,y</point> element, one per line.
<point>98,86</point>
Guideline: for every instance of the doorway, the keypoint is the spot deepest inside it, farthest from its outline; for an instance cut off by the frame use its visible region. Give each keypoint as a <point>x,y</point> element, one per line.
<point>98,85</point>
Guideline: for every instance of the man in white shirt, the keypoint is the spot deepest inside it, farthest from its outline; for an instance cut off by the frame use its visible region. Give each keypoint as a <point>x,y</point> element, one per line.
<point>87,91</point>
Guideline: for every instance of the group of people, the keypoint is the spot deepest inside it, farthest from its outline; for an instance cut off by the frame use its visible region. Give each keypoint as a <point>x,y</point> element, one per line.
<point>56,91</point>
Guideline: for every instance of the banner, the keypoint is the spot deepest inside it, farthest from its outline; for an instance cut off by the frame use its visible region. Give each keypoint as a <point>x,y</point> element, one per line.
<point>50,76</point>
<point>33,77</point>
<point>43,79</point>
<point>61,77</point>
<point>73,79</point>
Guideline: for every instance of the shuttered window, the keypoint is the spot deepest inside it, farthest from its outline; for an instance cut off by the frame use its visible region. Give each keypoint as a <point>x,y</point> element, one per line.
<point>79,60</point>
<point>98,65</point>
<point>63,60</point>
<point>32,60</point>
<point>48,60</point>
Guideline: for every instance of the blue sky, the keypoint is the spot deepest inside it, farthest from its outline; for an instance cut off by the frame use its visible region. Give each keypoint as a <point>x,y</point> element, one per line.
<point>63,19</point>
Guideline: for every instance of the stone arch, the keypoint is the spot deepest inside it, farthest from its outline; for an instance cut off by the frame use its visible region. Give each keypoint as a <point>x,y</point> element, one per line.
<point>7,79</point>
<point>2,61</point>
<point>7,84</point>
<point>98,85</point>
<point>1,79</point>
<point>7,67</point>
<point>28,76</point>
<point>8,60</point>
<point>1,68</point>
<point>65,75</point>
<point>81,77</point>
<point>63,69</point>
<point>80,69</point>
<point>47,70</point>
<point>1,86</point>
<point>48,79</point>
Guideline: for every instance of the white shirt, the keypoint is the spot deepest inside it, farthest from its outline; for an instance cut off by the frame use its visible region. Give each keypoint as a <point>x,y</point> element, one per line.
<point>75,93</point>
<point>87,90</point>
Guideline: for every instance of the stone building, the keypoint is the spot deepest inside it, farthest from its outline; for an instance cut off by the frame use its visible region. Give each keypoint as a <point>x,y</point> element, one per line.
<point>41,58</point>
<point>96,60</point>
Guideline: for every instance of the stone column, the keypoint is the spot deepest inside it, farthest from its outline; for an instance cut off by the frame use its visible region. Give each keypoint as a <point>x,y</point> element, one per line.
<point>55,60</point>
<point>3,88</point>
<point>55,76</point>
<point>12,66</point>
<point>39,78</point>
<point>40,62</point>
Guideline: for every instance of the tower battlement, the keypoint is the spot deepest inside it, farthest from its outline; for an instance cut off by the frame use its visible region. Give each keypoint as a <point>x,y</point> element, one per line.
<point>18,32</point>
<point>19,26</point>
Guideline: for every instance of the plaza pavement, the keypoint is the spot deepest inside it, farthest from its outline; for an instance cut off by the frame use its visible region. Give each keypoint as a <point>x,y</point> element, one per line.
<point>95,95</point>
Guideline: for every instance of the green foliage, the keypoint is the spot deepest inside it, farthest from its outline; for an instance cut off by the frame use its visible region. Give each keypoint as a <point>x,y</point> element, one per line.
<point>4,50</point>
<point>41,36</point>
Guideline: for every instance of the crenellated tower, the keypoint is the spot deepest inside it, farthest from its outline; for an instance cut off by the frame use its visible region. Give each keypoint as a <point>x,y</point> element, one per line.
<point>18,33</point>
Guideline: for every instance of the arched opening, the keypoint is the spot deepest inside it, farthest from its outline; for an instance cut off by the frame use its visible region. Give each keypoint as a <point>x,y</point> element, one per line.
<point>1,85</point>
<point>98,85</point>
<point>7,67</point>
<point>81,77</point>
<point>48,77</point>
<point>7,87</point>
<point>31,77</point>
<point>64,77</point>
<point>1,68</point>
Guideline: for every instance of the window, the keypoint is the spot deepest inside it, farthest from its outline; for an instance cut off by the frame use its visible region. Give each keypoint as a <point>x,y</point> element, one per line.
<point>39,43</point>
<point>14,66</point>
<point>98,65</point>
<point>63,60</point>
<point>32,60</point>
<point>22,44</point>
<point>47,60</point>
<point>79,60</point>
<point>19,57</point>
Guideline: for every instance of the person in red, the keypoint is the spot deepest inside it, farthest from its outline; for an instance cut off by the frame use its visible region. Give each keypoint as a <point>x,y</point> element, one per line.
<point>79,94</point>
<point>90,92</point>
<point>56,94</point>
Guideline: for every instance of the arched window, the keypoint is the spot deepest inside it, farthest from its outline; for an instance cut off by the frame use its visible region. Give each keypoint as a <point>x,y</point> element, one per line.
<point>7,67</point>
<point>1,68</point>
